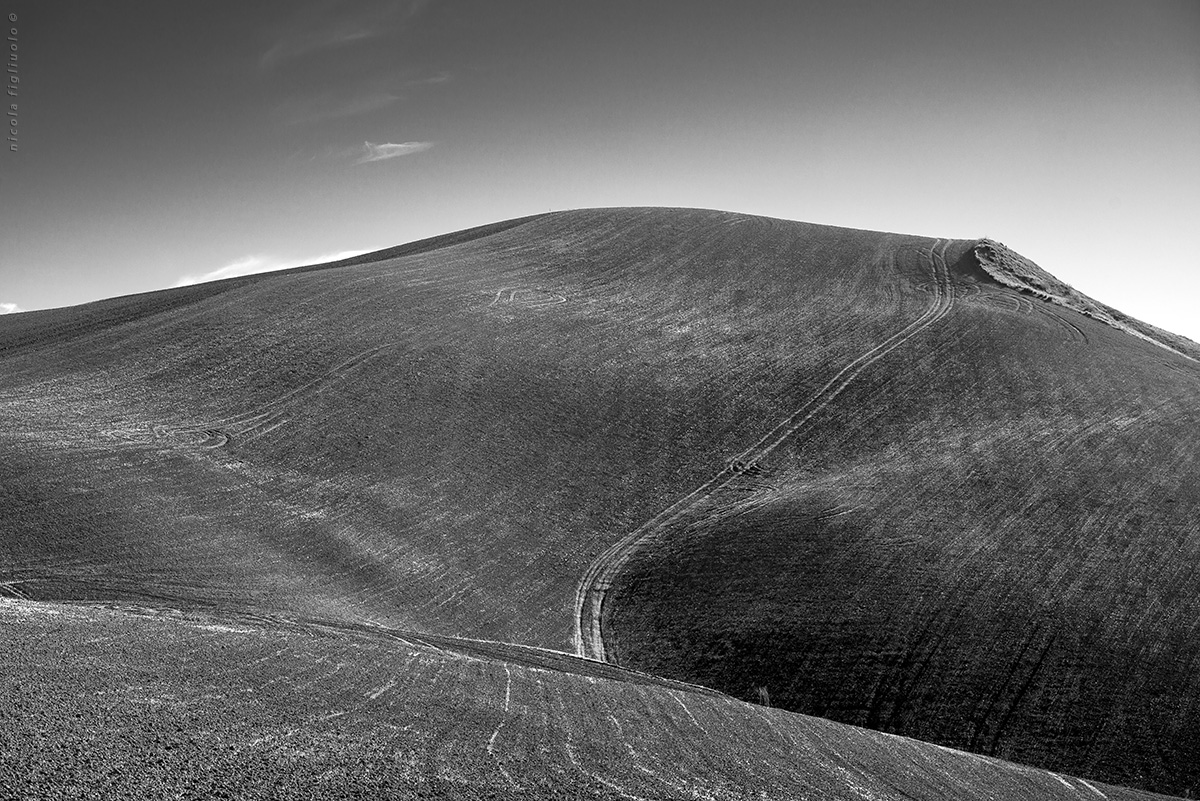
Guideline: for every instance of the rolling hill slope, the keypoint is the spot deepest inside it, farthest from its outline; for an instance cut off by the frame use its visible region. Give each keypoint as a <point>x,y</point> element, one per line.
<point>846,473</point>
<point>989,544</point>
<point>128,703</point>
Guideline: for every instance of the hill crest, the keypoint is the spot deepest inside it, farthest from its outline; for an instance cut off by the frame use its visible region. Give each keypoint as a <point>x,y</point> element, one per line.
<point>1011,269</point>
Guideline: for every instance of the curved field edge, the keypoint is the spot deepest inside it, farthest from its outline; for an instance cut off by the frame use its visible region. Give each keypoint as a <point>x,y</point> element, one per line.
<point>109,704</point>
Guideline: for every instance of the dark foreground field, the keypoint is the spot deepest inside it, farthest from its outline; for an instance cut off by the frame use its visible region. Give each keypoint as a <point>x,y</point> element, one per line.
<point>128,704</point>
<point>909,484</point>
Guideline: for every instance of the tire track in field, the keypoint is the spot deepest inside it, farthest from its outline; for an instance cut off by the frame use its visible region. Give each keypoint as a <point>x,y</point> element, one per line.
<point>1074,332</point>
<point>252,424</point>
<point>593,587</point>
<point>1017,304</point>
<point>9,590</point>
<point>540,297</point>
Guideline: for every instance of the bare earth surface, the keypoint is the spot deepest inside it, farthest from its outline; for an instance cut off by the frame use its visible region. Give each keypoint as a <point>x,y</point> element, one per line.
<point>123,704</point>
<point>909,484</point>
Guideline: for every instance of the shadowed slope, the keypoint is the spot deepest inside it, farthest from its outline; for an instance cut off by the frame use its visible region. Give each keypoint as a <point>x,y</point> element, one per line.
<point>121,706</point>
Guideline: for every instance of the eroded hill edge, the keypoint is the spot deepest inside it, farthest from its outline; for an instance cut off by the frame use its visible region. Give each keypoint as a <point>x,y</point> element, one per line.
<point>1007,267</point>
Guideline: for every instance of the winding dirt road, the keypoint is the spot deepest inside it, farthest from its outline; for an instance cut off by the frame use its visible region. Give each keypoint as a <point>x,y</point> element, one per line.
<point>592,590</point>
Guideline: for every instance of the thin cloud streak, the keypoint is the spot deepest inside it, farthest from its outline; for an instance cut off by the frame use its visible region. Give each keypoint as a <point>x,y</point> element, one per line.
<point>301,45</point>
<point>251,265</point>
<point>315,32</point>
<point>390,150</point>
<point>10,308</point>
<point>436,78</point>
<point>374,93</point>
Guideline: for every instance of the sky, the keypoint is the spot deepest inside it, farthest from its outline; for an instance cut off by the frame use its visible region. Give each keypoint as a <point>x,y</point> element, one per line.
<point>160,143</point>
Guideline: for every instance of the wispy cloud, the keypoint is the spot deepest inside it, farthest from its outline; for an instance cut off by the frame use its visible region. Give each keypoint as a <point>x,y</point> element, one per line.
<point>249,265</point>
<point>437,77</point>
<point>10,308</point>
<point>389,150</point>
<point>326,26</point>
<point>370,91</point>
<point>304,42</point>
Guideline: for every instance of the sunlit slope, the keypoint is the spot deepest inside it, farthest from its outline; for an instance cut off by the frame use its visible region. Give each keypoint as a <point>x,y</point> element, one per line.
<point>989,540</point>
<point>108,704</point>
<point>442,440</point>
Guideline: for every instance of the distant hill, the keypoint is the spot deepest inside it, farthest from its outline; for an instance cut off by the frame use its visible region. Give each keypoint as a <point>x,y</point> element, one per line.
<point>905,483</point>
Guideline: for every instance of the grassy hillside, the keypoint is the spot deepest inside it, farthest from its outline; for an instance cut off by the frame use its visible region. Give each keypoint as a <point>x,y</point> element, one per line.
<point>842,472</point>
<point>127,704</point>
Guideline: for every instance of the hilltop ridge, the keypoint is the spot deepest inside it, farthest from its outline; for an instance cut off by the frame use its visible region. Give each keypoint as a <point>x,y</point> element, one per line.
<point>1010,268</point>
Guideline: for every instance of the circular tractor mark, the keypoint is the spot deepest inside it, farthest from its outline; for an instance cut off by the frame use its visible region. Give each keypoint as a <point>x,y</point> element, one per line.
<point>740,468</point>
<point>1074,332</point>
<point>213,438</point>
<point>192,437</point>
<point>218,433</point>
<point>1002,300</point>
<point>526,298</point>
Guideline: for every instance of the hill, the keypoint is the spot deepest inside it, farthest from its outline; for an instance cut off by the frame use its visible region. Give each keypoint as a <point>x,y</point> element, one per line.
<point>846,473</point>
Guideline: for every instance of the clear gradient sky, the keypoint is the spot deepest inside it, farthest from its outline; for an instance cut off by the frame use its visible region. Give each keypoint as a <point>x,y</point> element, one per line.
<point>162,142</point>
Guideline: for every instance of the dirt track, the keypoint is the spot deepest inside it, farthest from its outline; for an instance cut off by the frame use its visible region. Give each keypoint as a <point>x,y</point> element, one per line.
<point>596,582</point>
